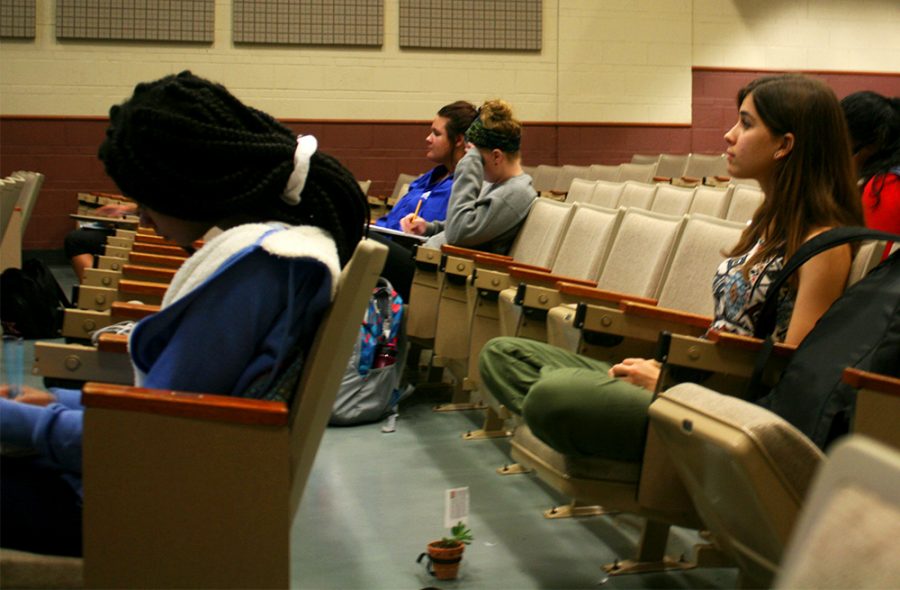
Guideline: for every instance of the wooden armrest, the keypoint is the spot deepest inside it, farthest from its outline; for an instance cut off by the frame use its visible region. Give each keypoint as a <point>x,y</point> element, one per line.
<point>202,406</point>
<point>747,342</point>
<point>160,249</point>
<point>152,239</point>
<point>142,287</point>
<point>722,178</point>
<point>558,193</point>
<point>147,271</point>
<point>156,259</point>
<point>662,179</point>
<point>662,313</point>
<point>529,274</point>
<point>470,253</point>
<point>496,262</point>
<point>132,311</point>
<point>691,179</point>
<point>589,293</point>
<point>117,343</point>
<point>873,381</point>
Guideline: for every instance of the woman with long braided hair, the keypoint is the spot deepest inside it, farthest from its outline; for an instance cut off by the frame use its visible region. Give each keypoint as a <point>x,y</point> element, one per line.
<point>239,313</point>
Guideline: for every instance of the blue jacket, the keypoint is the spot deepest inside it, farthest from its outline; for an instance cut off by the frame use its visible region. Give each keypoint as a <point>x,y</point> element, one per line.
<point>436,195</point>
<point>234,329</point>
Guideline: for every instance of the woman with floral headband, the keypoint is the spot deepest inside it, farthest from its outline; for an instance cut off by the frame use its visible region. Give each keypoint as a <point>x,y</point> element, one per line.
<point>239,312</point>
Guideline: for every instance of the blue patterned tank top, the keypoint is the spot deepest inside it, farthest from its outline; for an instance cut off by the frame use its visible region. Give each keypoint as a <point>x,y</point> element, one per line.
<point>739,300</point>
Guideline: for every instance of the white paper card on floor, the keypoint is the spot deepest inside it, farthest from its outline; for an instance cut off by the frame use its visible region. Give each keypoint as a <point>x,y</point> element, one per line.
<point>456,506</point>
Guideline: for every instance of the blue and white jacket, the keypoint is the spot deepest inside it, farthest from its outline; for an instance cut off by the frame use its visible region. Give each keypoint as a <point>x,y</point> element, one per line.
<point>233,312</point>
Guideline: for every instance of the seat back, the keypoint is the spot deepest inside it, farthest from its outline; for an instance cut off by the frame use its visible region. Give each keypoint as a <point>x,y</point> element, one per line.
<point>637,194</point>
<point>703,165</point>
<point>403,180</point>
<point>847,533</point>
<point>586,243</point>
<point>10,189</point>
<point>364,186</point>
<point>326,361</point>
<point>580,190</point>
<point>606,194</point>
<point>867,257</point>
<point>672,200</point>
<point>746,469</point>
<point>711,201</point>
<point>640,252</point>
<point>238,466</point>
<point>688,277</point>
<point>30,191</point>
<point>644,159</point>
<point>540,235</point>
<point>544,178</point>
<point>671,165</point>
<point>567,174</point>
<point>605,172</point>
<point>745,200</point>
<point>636,172</point>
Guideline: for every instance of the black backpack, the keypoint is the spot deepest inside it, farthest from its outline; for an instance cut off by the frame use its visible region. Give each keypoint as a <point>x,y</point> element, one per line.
<point>31,301</point>
<point>861,329</point>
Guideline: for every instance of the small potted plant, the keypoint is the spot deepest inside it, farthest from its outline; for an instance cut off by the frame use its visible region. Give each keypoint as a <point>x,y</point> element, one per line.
<point>444,555</point>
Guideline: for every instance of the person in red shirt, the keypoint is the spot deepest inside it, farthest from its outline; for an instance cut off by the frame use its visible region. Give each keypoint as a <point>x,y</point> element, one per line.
<point>874,124</point>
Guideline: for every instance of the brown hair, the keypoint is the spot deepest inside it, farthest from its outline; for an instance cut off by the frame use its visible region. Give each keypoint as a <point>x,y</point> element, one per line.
<point>814,185</point>
<point>459,115</point>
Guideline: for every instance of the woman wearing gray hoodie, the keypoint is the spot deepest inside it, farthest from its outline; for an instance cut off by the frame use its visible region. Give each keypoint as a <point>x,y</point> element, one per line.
<point>491,195</point>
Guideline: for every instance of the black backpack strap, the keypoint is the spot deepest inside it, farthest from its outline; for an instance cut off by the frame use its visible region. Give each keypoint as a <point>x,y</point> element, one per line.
<point>765,323</point>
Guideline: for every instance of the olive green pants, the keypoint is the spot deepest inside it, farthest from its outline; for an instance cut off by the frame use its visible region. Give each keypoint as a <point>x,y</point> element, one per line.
<point>569,401</point>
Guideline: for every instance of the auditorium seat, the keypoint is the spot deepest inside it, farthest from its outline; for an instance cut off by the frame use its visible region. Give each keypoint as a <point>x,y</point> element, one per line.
<point>204,446</point>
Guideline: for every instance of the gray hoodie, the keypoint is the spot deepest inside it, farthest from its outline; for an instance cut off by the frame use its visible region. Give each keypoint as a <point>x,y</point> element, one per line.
<point>480,215</point>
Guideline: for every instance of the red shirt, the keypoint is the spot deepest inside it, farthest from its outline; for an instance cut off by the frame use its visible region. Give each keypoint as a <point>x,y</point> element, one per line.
<point>885,215</point>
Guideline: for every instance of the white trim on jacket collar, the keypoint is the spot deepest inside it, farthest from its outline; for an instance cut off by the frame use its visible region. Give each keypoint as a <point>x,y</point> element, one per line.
<point>302,241</point>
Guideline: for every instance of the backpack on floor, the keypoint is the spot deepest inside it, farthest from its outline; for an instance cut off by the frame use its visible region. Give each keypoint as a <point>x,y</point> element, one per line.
<point>369,390</point>
<point>861,329</point>
<point>31,301</point>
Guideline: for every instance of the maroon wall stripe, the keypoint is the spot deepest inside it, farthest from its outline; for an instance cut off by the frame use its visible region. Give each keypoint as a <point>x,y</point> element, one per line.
<point>64,148</point>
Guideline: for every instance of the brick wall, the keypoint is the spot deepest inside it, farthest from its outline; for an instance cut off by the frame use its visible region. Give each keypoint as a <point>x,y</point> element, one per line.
<point>714,106</point>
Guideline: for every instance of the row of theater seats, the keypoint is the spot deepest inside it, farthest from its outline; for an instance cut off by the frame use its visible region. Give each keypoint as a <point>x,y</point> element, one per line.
<point>731,202</point>
<point>138,442</point>
<point>603,282</point>
<point>682,169</point>
<point>18,194</point>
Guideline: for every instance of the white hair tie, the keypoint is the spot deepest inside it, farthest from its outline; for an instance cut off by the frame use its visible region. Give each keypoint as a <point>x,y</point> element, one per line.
<point>306,147</point>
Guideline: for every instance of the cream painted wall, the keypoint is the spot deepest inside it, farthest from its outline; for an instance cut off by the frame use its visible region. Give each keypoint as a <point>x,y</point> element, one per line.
<point>843,35</point>
<point>602,60</point>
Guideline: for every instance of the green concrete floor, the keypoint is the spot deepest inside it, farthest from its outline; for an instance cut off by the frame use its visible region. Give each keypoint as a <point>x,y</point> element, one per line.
<point>374,500</point>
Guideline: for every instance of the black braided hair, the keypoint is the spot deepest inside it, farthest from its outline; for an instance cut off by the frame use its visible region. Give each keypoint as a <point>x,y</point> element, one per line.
<point>186,147</point>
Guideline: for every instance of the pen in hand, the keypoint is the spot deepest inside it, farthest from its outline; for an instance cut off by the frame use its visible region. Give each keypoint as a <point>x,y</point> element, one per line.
<point>416,212</point>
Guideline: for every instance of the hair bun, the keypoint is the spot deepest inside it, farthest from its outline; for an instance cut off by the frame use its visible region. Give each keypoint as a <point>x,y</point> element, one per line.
<point>496,110</point>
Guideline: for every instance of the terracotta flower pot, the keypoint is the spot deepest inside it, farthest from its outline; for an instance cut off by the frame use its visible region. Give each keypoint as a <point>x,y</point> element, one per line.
<point>443,562</point>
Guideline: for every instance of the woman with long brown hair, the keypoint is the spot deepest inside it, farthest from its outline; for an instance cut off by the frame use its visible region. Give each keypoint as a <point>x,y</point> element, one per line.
<point>791,137</point>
